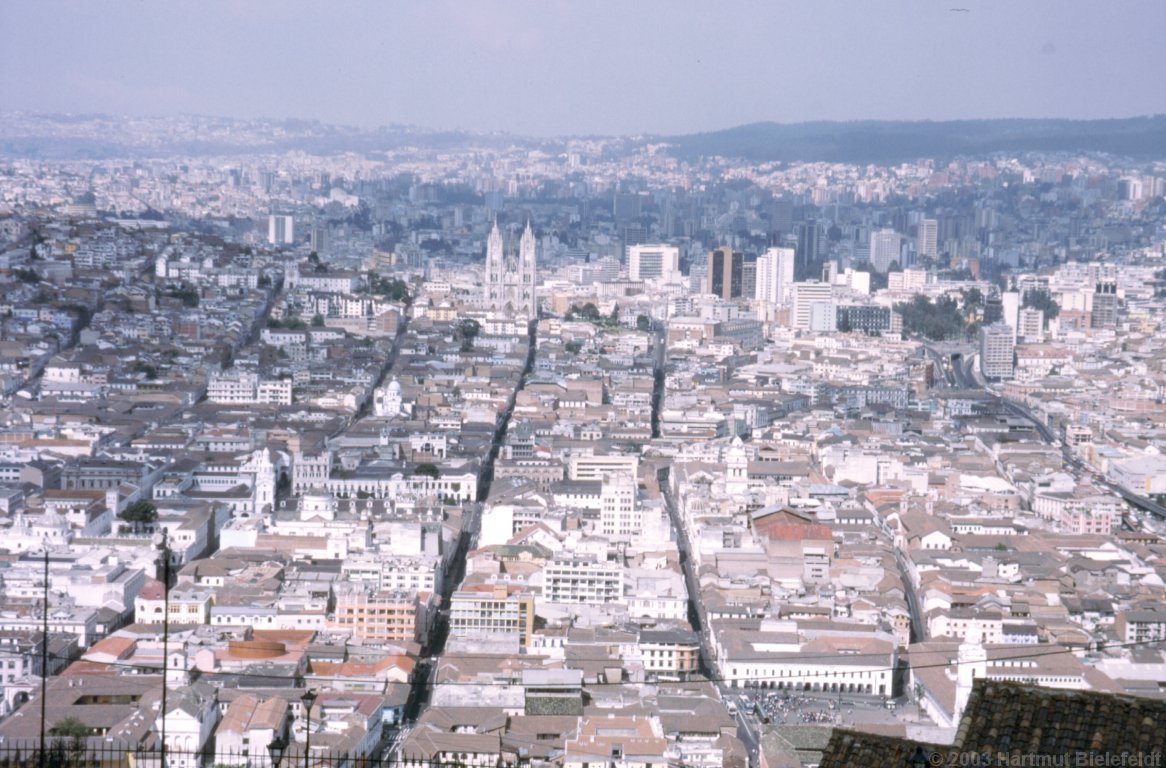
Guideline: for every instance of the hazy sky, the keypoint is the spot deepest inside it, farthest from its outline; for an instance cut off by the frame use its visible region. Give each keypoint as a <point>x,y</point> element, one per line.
<point>587,66</point>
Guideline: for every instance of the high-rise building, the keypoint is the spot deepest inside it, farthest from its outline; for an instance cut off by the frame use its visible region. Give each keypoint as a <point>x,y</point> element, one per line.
<point>626,206</point>
<point>510,274</point>
<point>618,515</point>
<point>633,234</point>
<point>927,239</point>
<point>775,275</point>
<point>993,309</point>
<point>1030,325</point>
<point>321,240</point>
<point>885,247</point>
<point>804,296</point>
<point>725,273</point>
<point>997,345</point>
<point>280,229</point>
<point>1011,302</point>
<point>749,278</point>
<point>809,241</point>
<point>1104,314</point>
<point>653,262</point>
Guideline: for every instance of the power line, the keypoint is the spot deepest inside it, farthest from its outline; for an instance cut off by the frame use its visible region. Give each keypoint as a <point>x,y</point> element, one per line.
<point>793,659</point>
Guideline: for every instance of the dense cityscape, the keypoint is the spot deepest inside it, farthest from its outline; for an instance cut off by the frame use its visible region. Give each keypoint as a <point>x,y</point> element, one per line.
<point>333,448</point>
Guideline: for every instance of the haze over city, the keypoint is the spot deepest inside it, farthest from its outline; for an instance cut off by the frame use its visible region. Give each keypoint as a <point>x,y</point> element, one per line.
<point>553,68</point>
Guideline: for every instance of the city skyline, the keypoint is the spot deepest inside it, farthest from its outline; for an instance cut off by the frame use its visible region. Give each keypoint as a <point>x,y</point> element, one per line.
<point>541,70</point>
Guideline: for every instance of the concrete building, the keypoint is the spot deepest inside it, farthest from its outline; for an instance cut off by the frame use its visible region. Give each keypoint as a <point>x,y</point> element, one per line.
<point>726,273</point>
<point>775,275</point>
<point>926,241</point>
<point>997,348</point>
<point>492,613</point>
<point>805,295</point>
<point>281,229</point>
<point>885,248</point>
<point>653,262</point>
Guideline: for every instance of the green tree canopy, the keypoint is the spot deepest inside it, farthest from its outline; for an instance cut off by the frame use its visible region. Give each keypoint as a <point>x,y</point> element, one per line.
<point>141,513</point>
<point>70,727</point>
<point>1043,300</point>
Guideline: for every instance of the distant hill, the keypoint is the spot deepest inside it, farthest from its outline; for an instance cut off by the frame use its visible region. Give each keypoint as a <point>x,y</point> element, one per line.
<point>890,142</point>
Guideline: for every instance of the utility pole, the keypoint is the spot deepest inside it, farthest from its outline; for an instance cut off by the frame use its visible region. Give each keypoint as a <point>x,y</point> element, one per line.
<point>162,541</point>
<point>44,658</point>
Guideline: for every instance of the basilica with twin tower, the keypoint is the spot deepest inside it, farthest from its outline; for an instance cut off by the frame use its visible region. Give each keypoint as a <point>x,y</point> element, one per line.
<point>509,289</point>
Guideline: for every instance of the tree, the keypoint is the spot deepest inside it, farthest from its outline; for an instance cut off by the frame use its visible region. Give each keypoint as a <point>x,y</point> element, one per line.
<point>466,330</point>
<point>70,727</point>
<point>317,320</point>
<point>613,318</point>
<point>936,321</point>
<point>973,300</point>
<point>427,470</point>
<point>1041,299</point>
<point>588,313</point>
<point>643,323</point>
<point>140,514</point>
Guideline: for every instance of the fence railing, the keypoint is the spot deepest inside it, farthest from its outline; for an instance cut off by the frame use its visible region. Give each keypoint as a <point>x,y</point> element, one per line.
<point>84,753</point>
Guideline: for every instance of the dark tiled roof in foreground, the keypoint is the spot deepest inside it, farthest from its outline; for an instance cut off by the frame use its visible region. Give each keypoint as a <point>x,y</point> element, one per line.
<point>850,749</point>
<point>1010,722</point>
<point>1010,717</point>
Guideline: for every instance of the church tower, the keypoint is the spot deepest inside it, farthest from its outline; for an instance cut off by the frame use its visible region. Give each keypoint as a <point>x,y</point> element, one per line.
<point>509,288</point>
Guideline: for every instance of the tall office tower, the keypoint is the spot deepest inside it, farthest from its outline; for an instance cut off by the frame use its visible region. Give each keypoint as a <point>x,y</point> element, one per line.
<point>321,240</point>
<point>626,206</point>
<point>830,272</point>
<point>927,240</point>
<point>809,241</point>
<point>633,234</point>
<point>1129,189</point>
<point>653,262</point>
<point>749,279</point>
<point>1011,301</point>
<point>510,274</point>
<point>775,275</point>
<point>781,216</point>
<point>1104,314</point>
<point>993,309</point>
<point>804,297</point>
<point>1031,324</point>
<point>618,515</point>
<point>280,229</point>
<point>725,272</point>
<point>885,247</point>
<point>996,351</point>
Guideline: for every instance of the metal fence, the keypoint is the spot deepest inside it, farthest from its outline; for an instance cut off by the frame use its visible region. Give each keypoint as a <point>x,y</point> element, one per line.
<point>64,753</point>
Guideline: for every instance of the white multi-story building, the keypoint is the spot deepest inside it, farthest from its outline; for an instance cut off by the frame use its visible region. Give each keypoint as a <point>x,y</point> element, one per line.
<point>1030,324</point>
<point>885,248</point>
<point>281,230</point>
<point>653,262</point>
<point>618,516</point>
<point>926,241</point>
<point>243,387</point>
<point>805,295</point>
<point>577,580</point>
<point>775,275</point>
<point>595,467</point>
<point>996,351</point>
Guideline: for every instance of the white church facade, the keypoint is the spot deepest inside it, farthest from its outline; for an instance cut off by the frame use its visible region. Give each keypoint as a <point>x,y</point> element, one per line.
<point>509,286</point>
